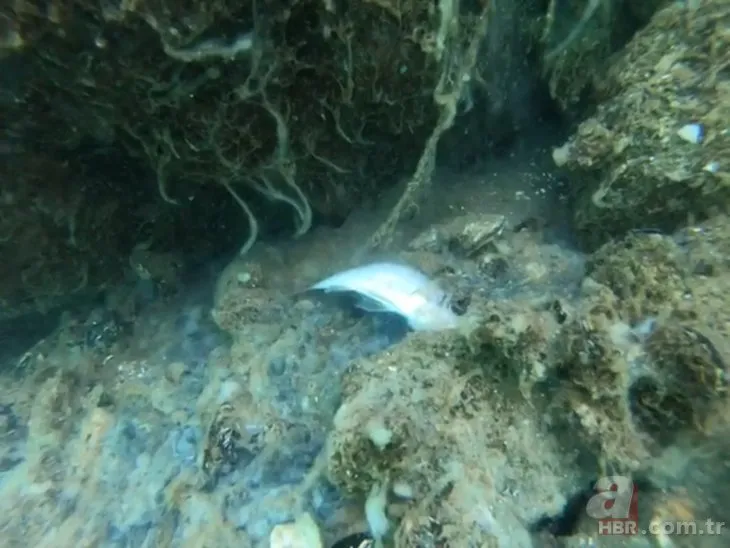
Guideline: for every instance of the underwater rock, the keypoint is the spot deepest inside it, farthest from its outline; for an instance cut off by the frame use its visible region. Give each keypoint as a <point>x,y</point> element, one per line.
<point>596,359</point>
<point>683,385</point>
<point>644,362</point>
<point>400,422</point>
<point>242,309</point>
<point>60,246</point>
<point>303,533</point>
<point>161,268</point>
<point>13,433</point>
<point>613,378</point>
<point>644,271</point>
<point>630,169</point>
<point>467,235</point>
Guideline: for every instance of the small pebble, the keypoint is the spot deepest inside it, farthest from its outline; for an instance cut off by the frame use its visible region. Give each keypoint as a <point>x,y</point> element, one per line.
<point>303,533</point>
<point>174,372</point>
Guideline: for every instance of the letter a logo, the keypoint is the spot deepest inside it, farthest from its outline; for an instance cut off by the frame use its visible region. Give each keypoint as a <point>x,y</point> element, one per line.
<point>614,499</point>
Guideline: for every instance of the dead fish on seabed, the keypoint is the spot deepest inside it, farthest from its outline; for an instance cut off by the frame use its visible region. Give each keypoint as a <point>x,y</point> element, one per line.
<point>395,288</point>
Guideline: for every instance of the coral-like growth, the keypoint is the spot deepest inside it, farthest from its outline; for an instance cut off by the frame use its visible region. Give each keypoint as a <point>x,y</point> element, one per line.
<point>681,391</point>
<point>266,99</point>
<point>645,272</point>
<point>596,359</point>
<point>642,365</point>
<point>578,38</point>
<point>454,446</point>
<point>49,233</point>
<point>652,153</point>
<point>616,379</point>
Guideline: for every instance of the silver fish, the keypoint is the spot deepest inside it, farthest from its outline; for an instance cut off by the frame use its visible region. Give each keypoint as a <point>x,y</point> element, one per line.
<point>396,288</point>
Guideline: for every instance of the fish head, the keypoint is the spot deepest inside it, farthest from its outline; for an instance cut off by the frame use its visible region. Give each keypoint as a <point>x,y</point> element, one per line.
<point>432,316</point>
